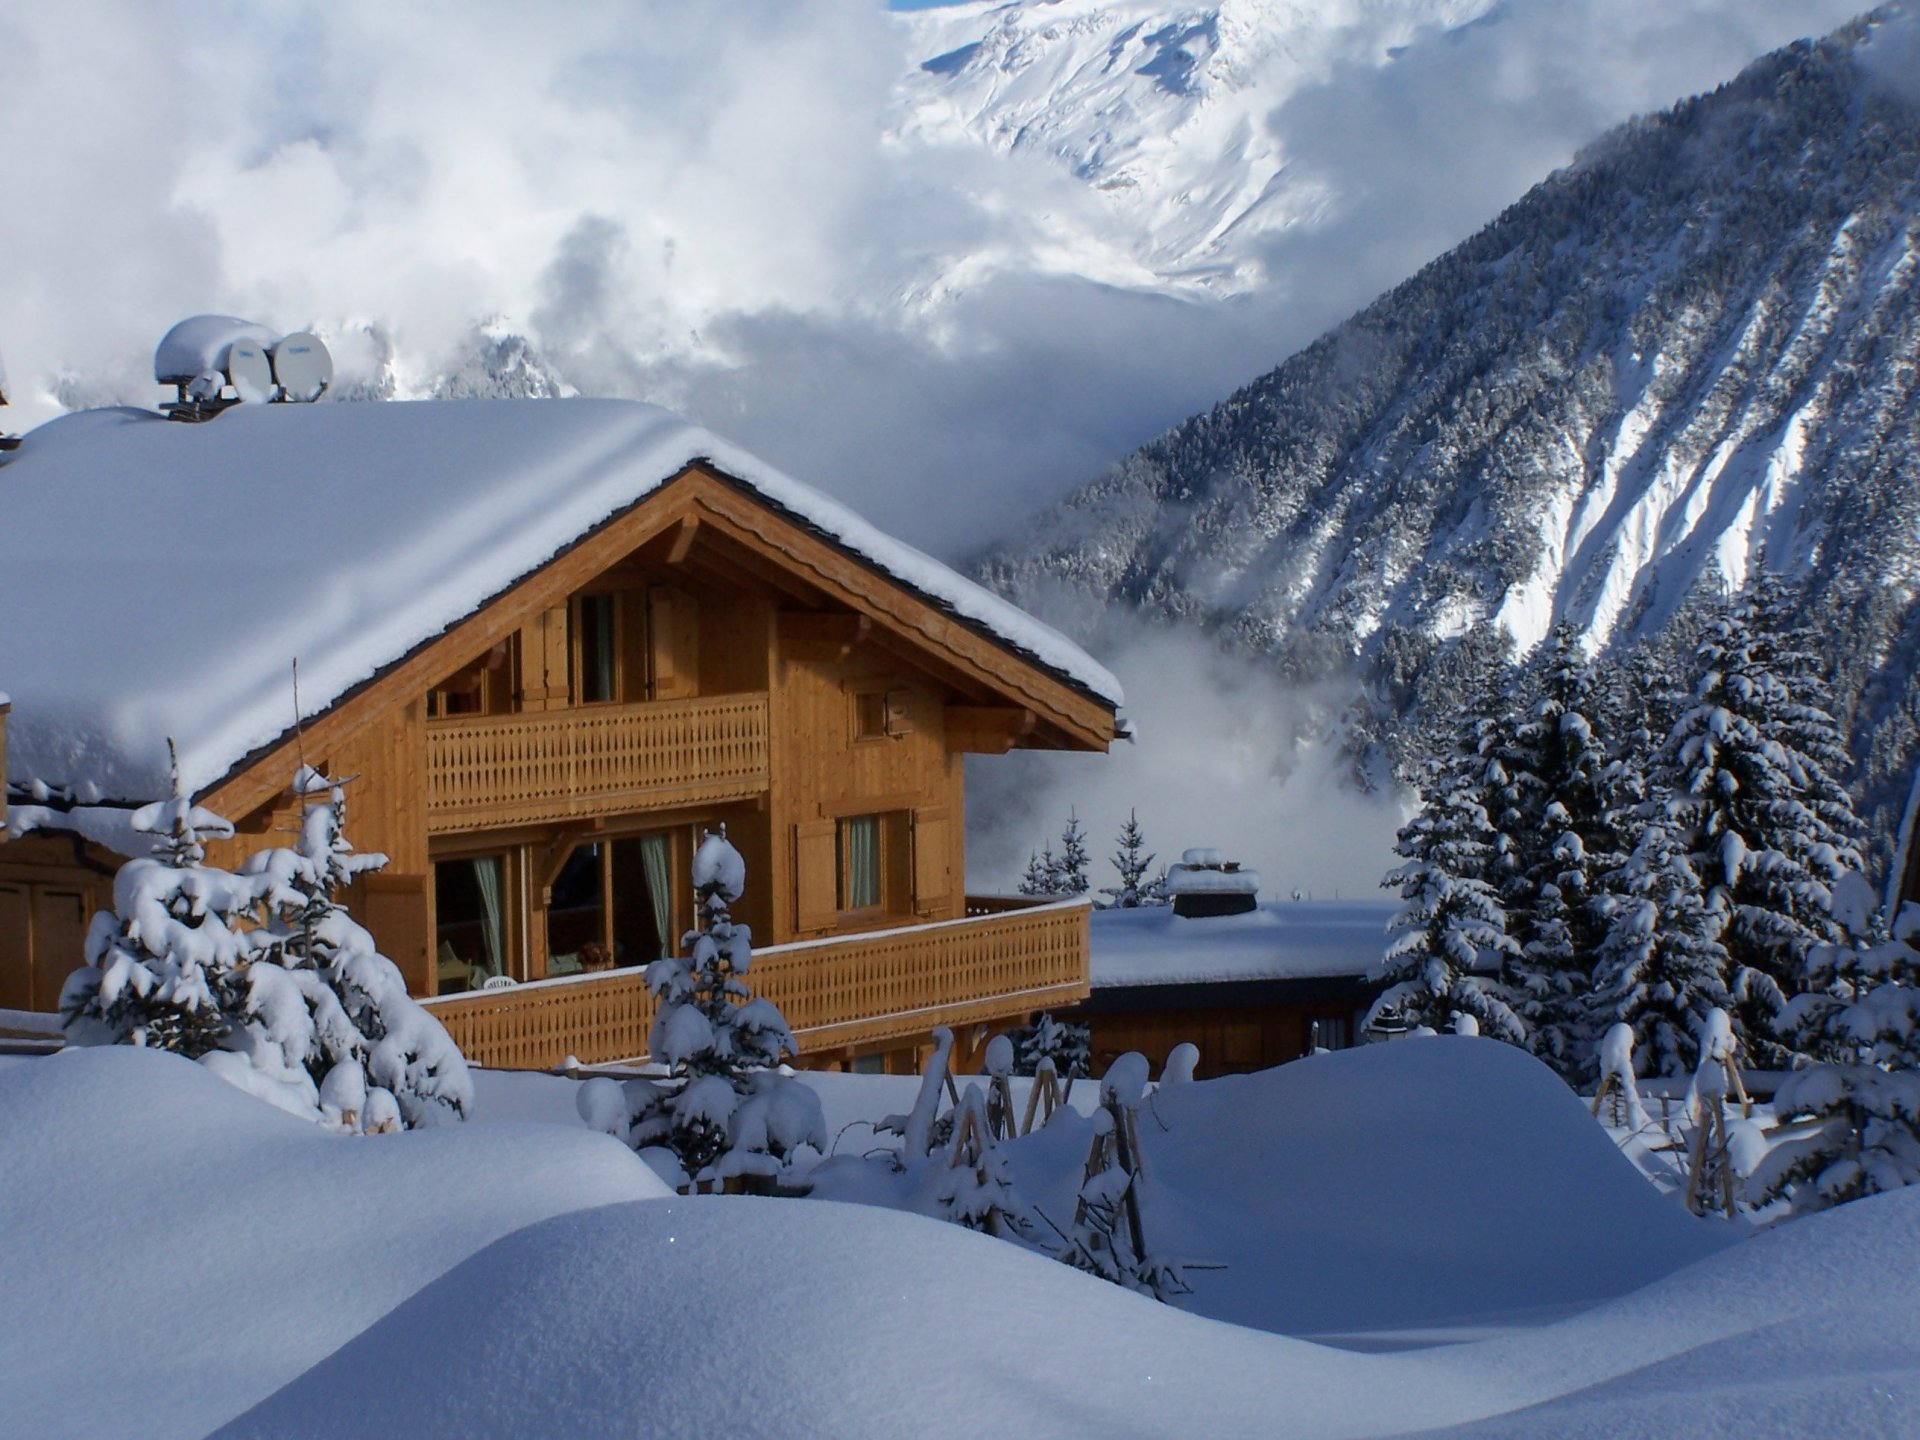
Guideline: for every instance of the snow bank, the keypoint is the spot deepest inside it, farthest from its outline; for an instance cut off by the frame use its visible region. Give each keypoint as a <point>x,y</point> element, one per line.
<point>406,517</point>
<point>177,1251</point>
<point>1442,1182</point>
<point>1282,940</point>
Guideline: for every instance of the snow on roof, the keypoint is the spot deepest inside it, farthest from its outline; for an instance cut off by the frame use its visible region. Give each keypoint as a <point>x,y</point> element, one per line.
<point>1281,940</point>
<point>178,570</point>
<point>201,343</point>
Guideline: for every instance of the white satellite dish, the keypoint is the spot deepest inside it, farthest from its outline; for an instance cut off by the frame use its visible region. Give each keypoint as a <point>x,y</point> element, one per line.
<point>302,366</point>
<point>250,372</point>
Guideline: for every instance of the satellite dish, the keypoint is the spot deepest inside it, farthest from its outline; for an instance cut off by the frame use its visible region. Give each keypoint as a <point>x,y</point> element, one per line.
<point>250,371</point>
<point>302,366</point>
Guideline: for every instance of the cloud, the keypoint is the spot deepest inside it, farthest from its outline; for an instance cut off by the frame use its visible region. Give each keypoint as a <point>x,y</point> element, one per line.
<point>1226,757</point>
<point>708,205</point>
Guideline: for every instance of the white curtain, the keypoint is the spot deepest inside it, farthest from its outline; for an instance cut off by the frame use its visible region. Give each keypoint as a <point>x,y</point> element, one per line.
<point>656,859</point>
<point>863,862</point>
<point>486,874</point>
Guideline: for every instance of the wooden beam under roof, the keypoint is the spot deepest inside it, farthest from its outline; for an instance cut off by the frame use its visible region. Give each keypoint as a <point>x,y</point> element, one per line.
<point>824,636</point>
<point>987,729</point>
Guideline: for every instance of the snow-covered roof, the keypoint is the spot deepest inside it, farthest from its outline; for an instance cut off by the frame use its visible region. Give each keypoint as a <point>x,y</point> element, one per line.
<point>1281,940</point>
<point>163,577</point>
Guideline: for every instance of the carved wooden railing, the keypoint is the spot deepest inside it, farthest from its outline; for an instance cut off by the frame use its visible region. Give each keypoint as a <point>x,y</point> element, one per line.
<point>586,760</point>
<point>843,991</point>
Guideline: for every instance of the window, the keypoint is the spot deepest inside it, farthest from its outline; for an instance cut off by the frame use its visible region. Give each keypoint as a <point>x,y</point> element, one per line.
<point>471,922</point>
<point>484,686</point>
<point>860,871</point>
<point>878,712</point>
<point>870,715</point>
<point>596,678</point>
<point>611,904</point>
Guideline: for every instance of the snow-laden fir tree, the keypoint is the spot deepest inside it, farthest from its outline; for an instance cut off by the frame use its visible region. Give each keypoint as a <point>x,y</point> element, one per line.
<point>327,1025</point>
<point>166,966</point>
<point>1448,942</point>
<point>1043,873</point>
<point>1064,1043</point>
<point>1660,968</point>
<point>1565,838</point>
<point>1070,869</point>
<point>1746,770</point>
<point>1133,863</point>
<point>1860,1012</point>
<point>724,1108</point>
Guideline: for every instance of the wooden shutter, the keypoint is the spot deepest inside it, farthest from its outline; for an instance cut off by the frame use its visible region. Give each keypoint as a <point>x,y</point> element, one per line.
<point>899,719</point>
<point>60,917</point>
<point>673,631</point>
<point>16,947</point>
<point>816,901</point>
<point>932,861</point>
<point>394,910</point>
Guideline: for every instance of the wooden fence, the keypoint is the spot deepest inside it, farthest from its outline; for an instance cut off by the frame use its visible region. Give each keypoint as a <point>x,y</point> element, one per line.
<point>853,990</point>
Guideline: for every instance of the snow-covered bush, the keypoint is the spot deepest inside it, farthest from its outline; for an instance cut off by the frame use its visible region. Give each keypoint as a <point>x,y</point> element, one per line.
<point>1108,1236</point>
<point>1861,1012</point>
<point>723,1108</point>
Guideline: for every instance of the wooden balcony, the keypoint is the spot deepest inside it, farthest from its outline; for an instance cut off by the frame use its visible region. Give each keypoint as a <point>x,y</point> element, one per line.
<point>853,990</point>
<point>588,760</point>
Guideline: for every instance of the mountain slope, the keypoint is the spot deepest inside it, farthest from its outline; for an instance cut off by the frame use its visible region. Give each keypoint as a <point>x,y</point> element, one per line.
<point>1701,339</point>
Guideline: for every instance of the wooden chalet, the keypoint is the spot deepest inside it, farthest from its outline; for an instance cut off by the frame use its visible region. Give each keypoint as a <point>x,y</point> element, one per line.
<point>552,642</point>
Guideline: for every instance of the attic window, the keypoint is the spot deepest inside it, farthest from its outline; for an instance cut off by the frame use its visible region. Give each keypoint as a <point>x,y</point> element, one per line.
<point>879,712</point>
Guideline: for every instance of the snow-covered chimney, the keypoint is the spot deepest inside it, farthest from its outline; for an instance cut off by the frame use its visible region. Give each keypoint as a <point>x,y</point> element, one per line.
<point>216,361</point>
<point>1204,883</point>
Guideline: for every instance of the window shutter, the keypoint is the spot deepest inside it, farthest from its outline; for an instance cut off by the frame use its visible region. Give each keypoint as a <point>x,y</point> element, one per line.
<point>899,722</point>
<point>815,860</point>
<point>674,631</point>
<point>932,861</point>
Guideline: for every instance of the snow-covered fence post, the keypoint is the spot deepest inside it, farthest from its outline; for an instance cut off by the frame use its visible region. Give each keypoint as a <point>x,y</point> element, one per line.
<point>1182,1060</point>
<point>1618,1091</point>
<point>999,1062</point>
<point>1710,1161</point>
<point>1043,1098</point>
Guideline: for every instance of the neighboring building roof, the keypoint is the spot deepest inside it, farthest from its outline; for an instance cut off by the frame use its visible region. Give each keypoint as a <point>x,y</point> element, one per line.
<point>1282,940</point>
<point>163,577</point>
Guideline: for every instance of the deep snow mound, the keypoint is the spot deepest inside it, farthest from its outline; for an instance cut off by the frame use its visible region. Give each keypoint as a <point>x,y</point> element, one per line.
<point>177,1250</point>
<point>1441,1182</point>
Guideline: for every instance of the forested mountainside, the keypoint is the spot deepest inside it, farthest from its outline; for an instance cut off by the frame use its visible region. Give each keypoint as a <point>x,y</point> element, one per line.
<point>1697,344</point>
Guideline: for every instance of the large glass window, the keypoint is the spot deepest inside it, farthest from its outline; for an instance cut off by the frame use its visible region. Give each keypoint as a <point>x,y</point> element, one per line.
<point>612,904</point>
<point>470,939</point>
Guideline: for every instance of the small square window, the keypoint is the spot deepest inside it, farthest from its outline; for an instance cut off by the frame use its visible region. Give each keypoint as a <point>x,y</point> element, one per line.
<point>870,715</point>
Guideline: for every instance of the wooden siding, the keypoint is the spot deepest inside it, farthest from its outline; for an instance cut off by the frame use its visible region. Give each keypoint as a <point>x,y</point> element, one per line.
<point>589,760</point>
<point>857,991</point>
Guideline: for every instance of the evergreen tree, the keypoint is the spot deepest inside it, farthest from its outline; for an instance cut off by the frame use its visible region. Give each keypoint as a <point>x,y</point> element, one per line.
<point>326,1017</point>
<point>1448,942</point>
<point>1660,968</point>
<point>1067,1045</point>
<point>1770,827</point>
<point>1042,874</point>
<point>1860,1011</point>
<point>1134,889</point>
<point>1070,870</point>
<point>724,1109</point>
<point>1566,839</point>
<point>166,966</point>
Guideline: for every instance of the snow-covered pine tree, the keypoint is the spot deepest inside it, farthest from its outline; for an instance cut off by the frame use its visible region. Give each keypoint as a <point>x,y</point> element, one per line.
<point>1860,1010</point>
<point>1070,870</point>
<point>165,967</point>
<point>724,1109</point>
<point>1565,838</point>
<point>1448,942</point>
<point>327,1025</point>
<point>1043,874</point>
<point>1065,1044</point>
<point>1746,769</point>
<point>1134,889</point>
<point>1660,968</point>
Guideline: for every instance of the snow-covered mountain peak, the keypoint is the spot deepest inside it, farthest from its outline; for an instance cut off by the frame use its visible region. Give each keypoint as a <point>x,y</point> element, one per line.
<point>1163,109</point>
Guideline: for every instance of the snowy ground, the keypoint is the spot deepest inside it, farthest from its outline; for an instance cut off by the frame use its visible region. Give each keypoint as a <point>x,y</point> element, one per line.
<point>180,1260</point>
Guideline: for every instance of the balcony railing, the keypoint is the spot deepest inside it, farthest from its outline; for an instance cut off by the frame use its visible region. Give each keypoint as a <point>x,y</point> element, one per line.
<point>853,990</point>
<point>591,759</point>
